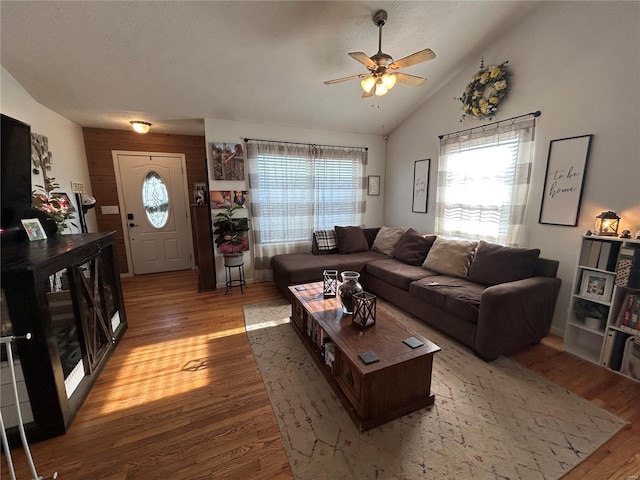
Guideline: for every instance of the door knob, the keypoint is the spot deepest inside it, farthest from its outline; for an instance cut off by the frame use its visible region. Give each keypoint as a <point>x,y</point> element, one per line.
<point>133,225</point>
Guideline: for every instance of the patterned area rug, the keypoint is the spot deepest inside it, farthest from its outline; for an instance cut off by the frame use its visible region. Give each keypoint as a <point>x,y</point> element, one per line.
<point>493,420</point>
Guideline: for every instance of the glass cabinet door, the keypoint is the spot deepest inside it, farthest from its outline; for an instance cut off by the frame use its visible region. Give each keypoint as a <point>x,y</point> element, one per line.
<point>65,329</point>
<point>93,303</point>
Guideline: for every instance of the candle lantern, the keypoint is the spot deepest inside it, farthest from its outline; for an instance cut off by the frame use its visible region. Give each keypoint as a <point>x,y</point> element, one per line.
<point>364,309</point>
<point>330,283</point>
<point>607,224</point>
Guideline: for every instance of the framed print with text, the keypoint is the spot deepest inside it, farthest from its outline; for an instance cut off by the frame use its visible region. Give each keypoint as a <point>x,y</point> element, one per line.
<point>420,185</point>
<point>373,187</point>
<point>564,180</point>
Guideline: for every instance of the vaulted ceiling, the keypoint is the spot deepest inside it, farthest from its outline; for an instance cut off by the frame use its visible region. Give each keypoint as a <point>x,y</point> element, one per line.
<point>102,64</point>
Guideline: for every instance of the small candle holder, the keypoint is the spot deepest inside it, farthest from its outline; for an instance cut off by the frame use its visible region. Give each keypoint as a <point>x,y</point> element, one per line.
<point>330,283</point>
<point>364,310</point>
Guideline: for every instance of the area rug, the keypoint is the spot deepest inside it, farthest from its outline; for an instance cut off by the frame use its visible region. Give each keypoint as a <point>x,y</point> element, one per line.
<point>494,420</point>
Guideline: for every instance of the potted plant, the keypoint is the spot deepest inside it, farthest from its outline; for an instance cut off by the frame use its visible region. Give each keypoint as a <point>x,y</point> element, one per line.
<point>231,234</point>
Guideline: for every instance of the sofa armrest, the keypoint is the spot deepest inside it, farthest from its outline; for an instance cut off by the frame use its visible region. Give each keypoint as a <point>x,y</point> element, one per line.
<point>515,315</point>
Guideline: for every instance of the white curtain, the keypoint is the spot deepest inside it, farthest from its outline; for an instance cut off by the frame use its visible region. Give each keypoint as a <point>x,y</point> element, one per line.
<point>483,183</point>
<point>296,189</point>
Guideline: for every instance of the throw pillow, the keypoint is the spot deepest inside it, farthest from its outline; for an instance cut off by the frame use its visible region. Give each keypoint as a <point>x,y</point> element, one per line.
<point>386,239</point>
<point>450,257</point>
<point>413,247</point>
<point>351,240</point>
<point>324,242</point>
<point>494,264</point>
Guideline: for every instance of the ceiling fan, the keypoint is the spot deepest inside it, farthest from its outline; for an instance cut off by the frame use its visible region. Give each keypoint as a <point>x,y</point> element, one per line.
<point>383,73</point>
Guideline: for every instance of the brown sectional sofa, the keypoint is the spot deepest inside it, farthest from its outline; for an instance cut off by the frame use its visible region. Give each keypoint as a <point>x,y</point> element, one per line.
<point>502,303</point>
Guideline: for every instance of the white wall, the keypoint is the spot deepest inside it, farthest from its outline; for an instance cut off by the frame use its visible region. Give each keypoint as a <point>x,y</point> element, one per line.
<point>236,132</point>
<point>578,63</point>
<point>69,161</point>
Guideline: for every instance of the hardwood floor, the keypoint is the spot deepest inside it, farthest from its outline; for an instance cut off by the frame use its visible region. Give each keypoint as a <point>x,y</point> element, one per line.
<point>182,398</point>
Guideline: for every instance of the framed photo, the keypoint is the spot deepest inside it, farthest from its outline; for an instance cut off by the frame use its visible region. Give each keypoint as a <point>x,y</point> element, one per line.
<point>220,198</point>
<point>373,185</point>
<point>228,198</point>
<point>420,185</point>
<point>64,201</point>
<point>200,193</point>
<point>226,161</point>
<point>596,285</point>
<point>564,180</point>
<point>34,229</point>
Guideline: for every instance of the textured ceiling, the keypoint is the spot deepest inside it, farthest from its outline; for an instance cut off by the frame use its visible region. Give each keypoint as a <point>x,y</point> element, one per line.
<point>102,64</point>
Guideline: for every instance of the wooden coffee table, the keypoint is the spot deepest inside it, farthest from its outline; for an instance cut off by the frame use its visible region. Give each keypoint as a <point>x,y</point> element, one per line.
<point>398,383</point>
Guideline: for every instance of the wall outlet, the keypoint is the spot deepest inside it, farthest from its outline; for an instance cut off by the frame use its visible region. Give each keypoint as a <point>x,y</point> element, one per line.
<point>110,210</point>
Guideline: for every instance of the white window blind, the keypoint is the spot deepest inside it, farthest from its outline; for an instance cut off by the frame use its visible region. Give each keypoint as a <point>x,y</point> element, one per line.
<point>296,189</point>
<point>483,183</point>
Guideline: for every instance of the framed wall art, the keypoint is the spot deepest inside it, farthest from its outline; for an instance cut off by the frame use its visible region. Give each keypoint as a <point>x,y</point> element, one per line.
<point>373,186</point>
<point>226,161</point>
<point>420,186</point>
<point>564,180</point>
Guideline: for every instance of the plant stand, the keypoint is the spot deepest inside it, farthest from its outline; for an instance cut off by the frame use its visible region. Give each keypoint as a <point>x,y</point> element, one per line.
<point>234,261</point>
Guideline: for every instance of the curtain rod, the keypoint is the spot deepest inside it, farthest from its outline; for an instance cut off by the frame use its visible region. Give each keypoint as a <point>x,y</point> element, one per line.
<point>300,143</point>
<point>535,114</point>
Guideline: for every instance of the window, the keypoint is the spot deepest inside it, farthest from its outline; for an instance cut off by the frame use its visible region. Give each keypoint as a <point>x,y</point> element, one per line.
<point>298,188</point>
<point>483,183</point>
<point>155,199</point>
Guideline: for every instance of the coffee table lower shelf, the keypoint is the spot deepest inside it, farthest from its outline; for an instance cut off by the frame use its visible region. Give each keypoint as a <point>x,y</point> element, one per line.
<point>363,424</point>
<point>372,394</point>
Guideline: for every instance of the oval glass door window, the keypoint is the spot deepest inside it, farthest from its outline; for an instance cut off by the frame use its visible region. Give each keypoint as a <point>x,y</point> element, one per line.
<point>155,199</point>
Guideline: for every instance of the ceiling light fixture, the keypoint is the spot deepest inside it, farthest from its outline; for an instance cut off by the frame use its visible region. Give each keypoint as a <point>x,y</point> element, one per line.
<point>140,127</point>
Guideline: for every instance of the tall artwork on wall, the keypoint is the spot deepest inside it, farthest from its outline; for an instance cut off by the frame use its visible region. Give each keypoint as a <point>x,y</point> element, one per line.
<point>420,185</point>
<point>226,160</point>
<point>564,180</point>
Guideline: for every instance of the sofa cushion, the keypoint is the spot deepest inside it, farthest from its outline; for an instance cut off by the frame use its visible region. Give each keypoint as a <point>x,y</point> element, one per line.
<point>395,272</point>
<point>351,240</point>
<point>450,257</point>
<point>386,239</point>
<point>413,247</point>
<point>292,268</point>
<point>324,242</point>
<point>457,296</point>
<point>494,264</point>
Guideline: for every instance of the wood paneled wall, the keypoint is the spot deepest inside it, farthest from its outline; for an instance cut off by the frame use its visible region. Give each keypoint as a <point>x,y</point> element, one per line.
<point>99,144</point>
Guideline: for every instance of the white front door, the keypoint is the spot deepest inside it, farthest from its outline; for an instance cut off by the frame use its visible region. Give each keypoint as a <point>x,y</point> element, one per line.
<point>154,199</point>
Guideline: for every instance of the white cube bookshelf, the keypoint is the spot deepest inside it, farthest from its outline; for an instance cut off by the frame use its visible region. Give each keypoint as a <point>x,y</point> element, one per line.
<point>595,294</point>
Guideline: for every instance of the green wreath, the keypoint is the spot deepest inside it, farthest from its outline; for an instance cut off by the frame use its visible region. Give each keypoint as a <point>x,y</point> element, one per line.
<point>485,92</point>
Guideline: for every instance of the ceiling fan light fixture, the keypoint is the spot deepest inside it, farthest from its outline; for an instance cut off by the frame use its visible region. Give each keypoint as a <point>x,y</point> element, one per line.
<point>367,84</point>
<point>381,89</point>
<point>140,126</point>
<point>389,80</point>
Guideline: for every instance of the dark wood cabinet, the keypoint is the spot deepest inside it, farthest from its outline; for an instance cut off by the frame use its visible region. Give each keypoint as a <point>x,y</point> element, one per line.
<point>204,243</point>
<point>66,292</point>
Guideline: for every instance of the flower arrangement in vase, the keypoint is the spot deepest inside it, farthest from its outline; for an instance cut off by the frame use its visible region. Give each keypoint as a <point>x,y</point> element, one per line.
<point>43,197</point>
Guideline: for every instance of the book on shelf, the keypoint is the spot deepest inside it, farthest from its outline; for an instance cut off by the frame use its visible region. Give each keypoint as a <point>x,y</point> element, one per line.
<point>584,253</point>
<point>608,347</point>
<point>628,268</point>
<point>617,351</point>
<point>603,259</point>
<point>594,254</point>
<point>627,318</point>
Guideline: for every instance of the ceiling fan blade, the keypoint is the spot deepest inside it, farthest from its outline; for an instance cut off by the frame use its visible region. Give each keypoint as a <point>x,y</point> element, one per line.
<point>363,58</point>
<point>418,57</point>
<point>410,79</point>
<point>368,94</point>
<point>352,77</point>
